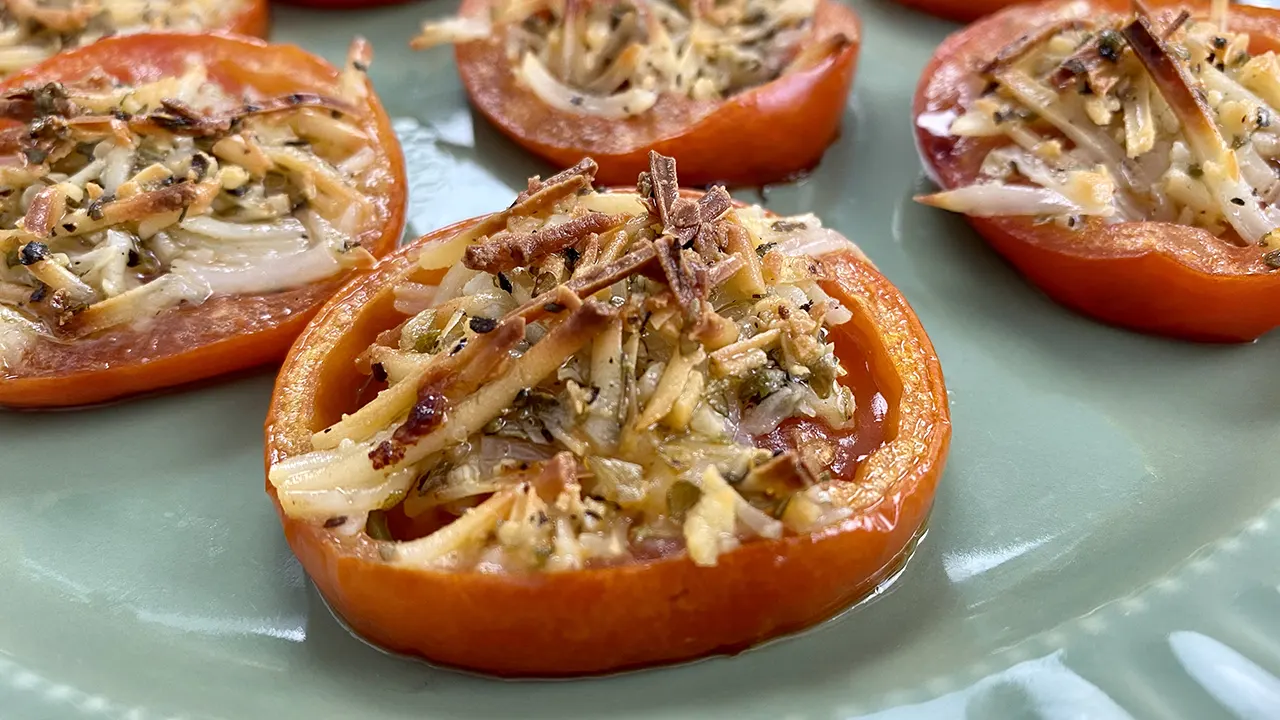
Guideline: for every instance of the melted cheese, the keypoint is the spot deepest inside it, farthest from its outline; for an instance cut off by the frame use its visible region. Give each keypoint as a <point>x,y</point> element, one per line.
<point>32,30</point>
<point>120,216</point>
<point>1197,144</point>
<point>614,59</point>
<point>603,420</point>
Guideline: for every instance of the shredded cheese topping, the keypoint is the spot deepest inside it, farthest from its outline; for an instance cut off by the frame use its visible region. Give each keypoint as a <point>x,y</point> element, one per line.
<point>589,384</point>
<point>33,30</point>
<point>117,202</point>
<point>616,59</point>
<point>1132,118</point>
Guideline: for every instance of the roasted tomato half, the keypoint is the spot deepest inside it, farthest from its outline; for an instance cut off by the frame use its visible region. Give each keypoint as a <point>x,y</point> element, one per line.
<point>32,31</point>
<point>960,10</point>
<point>744,93</point>
<point>1124,162</point>
<point>601,430</point>
<point>173,207</point>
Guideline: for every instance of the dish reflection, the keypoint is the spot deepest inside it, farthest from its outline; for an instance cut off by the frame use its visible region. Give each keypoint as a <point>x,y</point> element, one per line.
<point>1044,688</point>
<point>442,155</point>
<point>1243,688</point>
<point>290,628</point>
<point>966,564</point>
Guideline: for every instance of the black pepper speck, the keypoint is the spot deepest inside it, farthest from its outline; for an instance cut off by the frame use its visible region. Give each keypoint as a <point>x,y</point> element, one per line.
<point>32,253</point>
<point>482,324</point>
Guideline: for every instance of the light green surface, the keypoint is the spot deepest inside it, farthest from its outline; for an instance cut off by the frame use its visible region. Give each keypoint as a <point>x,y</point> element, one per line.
<point>1104,544</point>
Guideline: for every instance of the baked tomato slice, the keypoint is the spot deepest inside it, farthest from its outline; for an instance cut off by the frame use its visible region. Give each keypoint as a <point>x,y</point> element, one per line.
<point>960,10</point>
<point>1125,162</point>
<point>177,206</point>
<point>602,430</point>
<point>630,81</point>
<point>34,30</point>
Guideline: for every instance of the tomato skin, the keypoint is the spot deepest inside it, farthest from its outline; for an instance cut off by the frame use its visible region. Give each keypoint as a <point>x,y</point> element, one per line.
<point>1159,278</point>
<point>766,134</point>
<point>960,10</point>
<point>225,333</point>
<point>641,614</point>
<point>254,20</point>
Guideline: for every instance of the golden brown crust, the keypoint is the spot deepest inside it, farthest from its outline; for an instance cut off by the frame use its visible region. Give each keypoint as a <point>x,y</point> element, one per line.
<point>505,250</point>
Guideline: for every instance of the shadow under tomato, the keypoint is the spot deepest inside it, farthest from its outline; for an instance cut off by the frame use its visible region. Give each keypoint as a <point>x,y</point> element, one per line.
<point>247,374</point>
